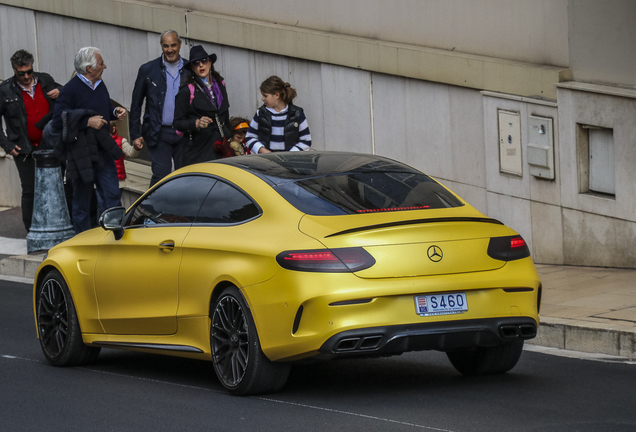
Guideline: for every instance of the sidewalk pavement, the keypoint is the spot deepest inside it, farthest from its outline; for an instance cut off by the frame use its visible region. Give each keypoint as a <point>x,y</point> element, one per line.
<point>587,309</point>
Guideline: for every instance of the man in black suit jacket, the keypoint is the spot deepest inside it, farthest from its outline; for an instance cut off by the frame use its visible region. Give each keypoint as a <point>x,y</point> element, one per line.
<point>158,83</point>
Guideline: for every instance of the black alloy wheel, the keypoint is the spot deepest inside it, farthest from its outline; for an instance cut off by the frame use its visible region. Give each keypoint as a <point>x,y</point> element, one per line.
<point>230,341</point>
<point>52,318</point>
<point>238,360</point>
<point>58,328</point>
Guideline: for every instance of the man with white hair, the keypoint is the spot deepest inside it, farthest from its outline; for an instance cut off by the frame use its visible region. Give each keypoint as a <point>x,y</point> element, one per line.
<point>83,108</point>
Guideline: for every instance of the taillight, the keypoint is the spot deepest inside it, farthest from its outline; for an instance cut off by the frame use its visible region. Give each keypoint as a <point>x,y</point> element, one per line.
<point>508,248</point>
<point>326,260</point>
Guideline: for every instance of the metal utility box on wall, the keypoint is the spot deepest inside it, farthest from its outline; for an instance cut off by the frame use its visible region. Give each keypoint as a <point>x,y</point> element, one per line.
<point>509,142</point>
<point>541,147</point>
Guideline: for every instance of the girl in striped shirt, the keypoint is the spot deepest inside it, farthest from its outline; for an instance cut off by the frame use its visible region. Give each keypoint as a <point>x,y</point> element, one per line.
<point>278,124</point>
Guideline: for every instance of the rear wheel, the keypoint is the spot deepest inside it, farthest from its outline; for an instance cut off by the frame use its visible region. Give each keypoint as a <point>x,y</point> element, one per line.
<point>486,360</point>
<point>238,360</point>
<point>58,327</point>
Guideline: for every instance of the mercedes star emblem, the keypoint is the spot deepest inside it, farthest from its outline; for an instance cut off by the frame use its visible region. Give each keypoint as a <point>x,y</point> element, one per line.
<point>435,253</point>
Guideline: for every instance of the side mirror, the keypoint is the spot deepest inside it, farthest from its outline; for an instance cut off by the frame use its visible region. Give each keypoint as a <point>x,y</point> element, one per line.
<point>113,220</point>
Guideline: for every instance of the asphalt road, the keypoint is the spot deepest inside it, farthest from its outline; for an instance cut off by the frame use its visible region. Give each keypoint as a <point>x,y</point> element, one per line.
<point>127,391</point>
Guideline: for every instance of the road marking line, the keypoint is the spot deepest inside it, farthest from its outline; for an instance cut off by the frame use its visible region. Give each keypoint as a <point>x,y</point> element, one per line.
<point>352,414</point>
<point>251,397</point>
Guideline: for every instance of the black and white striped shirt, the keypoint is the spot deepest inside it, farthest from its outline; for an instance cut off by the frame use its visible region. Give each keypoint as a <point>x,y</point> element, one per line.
<point>277,139</point>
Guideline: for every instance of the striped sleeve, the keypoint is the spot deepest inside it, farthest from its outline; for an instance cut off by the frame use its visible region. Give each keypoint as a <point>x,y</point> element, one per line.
<point>304,136</point>
<point>251,139</point>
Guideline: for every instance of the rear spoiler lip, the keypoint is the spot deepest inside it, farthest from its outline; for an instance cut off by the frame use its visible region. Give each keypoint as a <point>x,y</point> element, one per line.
<point>415,222</point>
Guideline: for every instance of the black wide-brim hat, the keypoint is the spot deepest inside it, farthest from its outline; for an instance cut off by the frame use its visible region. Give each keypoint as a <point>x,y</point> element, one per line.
<point>197,53</point>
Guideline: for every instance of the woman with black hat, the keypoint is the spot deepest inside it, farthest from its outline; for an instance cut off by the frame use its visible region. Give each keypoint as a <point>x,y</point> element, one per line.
<point>201,108</point>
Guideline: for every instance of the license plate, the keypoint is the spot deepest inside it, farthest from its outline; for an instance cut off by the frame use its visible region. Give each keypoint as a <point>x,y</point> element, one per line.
<point>441,304</point>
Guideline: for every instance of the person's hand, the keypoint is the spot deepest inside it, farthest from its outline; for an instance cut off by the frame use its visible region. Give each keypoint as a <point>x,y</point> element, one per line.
<point>15,151</point>
<point>53,94</point>
<point>96,122</point>
<point>138,144</point>
<point>120,112</point>
<point>263,150</point>
<point>203,122</point>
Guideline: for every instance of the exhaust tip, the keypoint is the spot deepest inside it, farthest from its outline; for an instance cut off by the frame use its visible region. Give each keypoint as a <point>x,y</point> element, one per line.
<point>509,331</point>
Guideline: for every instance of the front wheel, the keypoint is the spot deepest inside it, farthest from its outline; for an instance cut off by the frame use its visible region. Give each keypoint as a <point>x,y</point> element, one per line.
<point>58,327</point>
<point>238,360</point>
<point>486,360</point>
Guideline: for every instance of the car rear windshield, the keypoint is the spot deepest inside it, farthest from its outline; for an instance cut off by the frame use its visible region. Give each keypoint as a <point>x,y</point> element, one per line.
<point>366,192</point>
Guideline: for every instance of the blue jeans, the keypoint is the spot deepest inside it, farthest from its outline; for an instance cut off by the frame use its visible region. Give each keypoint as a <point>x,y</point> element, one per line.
<point>162,154</point>
<point>105,179</point>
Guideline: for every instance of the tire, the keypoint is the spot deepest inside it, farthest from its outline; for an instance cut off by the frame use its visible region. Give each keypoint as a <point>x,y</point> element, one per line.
<point>58,328</point>
<point>238,360</point>
<point>486,360</point>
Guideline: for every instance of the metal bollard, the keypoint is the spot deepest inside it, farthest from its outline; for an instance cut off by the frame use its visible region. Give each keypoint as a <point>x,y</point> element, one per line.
<point>51,223</point>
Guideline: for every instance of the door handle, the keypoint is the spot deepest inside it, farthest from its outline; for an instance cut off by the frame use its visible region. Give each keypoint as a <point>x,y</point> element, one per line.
<point>166,246</point>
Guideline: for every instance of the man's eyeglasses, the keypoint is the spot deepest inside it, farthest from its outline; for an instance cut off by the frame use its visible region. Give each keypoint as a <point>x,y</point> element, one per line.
<point>23,73</point>
<point>202,61</point>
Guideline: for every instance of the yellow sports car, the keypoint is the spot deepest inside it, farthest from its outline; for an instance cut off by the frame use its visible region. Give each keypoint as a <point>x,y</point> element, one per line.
<point>256,262</point>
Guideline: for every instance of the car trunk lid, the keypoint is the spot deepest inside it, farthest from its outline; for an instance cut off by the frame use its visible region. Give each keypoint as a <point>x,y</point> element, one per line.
<point>444,242</point>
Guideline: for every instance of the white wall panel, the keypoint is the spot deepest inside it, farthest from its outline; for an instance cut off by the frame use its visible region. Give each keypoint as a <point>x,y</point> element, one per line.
<point>306,78</point>
<point>547,233</point>
<point>59,38</point>
<point>133,47</point>
<point>412,123</point>
<point>347,109</point>
<point>107,39</point>
<point>528,30</point>
<point>467,136</point>
<point>390,120</point>
<point>17,31</point>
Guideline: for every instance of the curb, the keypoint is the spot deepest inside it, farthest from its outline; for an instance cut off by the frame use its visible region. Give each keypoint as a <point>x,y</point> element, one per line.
<point>585,336</point>
<point>22,266</point>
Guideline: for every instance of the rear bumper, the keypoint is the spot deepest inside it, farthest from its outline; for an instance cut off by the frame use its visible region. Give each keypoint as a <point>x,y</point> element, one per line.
<point>441,336</point>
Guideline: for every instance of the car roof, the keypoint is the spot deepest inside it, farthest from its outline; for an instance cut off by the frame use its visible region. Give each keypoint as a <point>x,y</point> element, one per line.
<point>277,168</point>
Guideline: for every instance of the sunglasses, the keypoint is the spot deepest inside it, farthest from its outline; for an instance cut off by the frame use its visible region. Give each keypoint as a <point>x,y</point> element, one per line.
<point>23,73</point>
<point>202,61</point>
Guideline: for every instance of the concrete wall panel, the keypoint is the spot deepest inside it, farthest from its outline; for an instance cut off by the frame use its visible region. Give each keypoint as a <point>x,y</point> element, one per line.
<point>547,234</point>
<point>467,136</point>
<point>602,39</point>
<point>306,78</point>
<point>412,123</point>
<point>594,240</point>
<point>14,22</point>
<point>59,38</point>
<point>531,31</point>
<point>347,109</point>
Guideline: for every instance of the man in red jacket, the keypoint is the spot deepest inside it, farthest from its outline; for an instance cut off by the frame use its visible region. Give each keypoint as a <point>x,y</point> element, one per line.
<point>26,99</point>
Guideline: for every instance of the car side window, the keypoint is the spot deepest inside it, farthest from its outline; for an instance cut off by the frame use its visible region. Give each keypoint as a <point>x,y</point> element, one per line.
<point>176,201</point>
<point>226,204</point>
